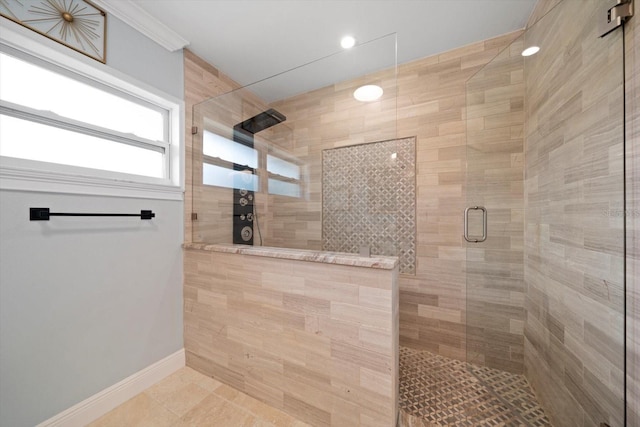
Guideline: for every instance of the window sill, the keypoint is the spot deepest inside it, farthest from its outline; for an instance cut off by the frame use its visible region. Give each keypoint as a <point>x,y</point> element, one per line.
<point>19,178</point>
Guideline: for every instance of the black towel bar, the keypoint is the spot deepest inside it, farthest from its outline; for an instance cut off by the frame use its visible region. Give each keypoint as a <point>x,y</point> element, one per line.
<point>43,214</point>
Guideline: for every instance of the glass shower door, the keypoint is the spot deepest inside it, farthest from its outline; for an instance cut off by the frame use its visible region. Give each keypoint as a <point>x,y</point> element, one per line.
<point>545,289</point>
<point>494,233</point>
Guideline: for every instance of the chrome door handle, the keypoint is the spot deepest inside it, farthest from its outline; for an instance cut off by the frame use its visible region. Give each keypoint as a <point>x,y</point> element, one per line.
<point>484,224</point>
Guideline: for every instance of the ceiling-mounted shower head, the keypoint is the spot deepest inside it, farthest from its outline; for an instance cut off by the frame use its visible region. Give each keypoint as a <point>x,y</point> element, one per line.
<point>262,121</point>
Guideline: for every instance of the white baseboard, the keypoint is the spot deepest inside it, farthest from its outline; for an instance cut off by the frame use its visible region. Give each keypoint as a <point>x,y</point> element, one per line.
<point>100,403</point>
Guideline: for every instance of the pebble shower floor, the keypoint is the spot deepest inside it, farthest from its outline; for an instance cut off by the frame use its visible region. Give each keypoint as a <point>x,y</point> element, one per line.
<point>438,391</point>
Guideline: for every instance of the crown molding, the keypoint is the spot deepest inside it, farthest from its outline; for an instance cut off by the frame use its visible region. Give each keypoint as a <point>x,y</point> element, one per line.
<point>138,18</point>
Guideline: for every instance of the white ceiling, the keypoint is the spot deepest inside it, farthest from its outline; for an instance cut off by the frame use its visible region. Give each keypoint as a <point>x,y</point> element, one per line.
<point>250,40</point>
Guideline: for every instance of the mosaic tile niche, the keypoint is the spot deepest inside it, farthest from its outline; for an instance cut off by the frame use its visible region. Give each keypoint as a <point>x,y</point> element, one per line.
<point>369,199</point>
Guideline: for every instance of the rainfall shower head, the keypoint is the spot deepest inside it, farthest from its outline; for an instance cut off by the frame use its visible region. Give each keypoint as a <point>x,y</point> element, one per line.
<point>262,121</point>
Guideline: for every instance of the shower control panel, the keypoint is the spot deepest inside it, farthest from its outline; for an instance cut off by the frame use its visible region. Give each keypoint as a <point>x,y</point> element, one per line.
<point>243,196</point>
<point>243,202</point>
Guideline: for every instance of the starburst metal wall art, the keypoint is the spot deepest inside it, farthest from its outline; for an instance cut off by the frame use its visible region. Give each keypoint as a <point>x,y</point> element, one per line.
<point>77,24</point>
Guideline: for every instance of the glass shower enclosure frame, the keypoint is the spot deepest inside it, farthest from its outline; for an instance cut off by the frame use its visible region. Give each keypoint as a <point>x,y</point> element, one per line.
<point>263,153</point>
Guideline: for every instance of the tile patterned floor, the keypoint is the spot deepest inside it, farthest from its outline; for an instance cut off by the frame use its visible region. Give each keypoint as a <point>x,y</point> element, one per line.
<point>188,398</point>
<point>438,391</point>
<point>434,391</point>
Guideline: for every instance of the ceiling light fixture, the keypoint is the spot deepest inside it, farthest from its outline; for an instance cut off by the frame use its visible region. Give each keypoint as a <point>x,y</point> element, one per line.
<point>530,51</point>
<point>368,93</point>
<point>348,42</point>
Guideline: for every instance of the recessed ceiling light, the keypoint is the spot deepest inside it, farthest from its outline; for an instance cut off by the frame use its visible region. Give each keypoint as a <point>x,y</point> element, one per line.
<point>368,93</point>
<point>348,42</point>
<point>530,51</point>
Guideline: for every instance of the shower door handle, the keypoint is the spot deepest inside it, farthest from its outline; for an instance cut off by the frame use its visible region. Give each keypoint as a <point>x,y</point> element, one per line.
<point>484,224</point>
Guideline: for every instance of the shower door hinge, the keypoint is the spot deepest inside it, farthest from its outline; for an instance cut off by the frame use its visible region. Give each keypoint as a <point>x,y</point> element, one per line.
<point>194,130</point>
<point>614,14</point>
<point>194,216</point>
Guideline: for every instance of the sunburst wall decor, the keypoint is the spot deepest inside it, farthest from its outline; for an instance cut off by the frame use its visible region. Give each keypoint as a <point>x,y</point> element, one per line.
<point>77,24</point>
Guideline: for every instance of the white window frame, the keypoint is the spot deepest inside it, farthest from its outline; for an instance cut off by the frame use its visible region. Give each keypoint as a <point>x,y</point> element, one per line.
<point>30,175</point>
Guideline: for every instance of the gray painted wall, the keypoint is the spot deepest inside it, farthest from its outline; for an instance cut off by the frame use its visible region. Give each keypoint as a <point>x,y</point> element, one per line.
<point>142,58</point>
<point>86,302</point>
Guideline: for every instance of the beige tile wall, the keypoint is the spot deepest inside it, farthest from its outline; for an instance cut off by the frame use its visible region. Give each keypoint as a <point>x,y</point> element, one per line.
<point>316,340</point>
<point>430,105</point>
<point>324,119</point>
<point>632,61</point>
<point>202,81</point>
<point>441,307</point>
<point>574,260</point>
<point>214,205</point>
<point>494,179</point>
<point>425,99</point>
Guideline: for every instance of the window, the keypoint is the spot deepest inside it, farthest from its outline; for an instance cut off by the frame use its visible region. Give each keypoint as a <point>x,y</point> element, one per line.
<point>222,157</point>
<point>220,154</point>
<point>64,118</point>
<point>284,177</point>
<point>27,139</point>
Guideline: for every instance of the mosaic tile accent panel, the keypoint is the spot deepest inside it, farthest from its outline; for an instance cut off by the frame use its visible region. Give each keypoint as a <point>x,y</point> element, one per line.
<point>438,391</point>
<point>369,199</point>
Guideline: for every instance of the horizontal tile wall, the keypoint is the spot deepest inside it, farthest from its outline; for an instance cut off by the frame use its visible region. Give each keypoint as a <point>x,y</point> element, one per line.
<point>202,81</point>
<point>219,114</point>
<point>574,259</point>
<point>433,306</point>
<point>319,341</point>
<point>494,180</point>
<point>632,61</point>
<point>425,99</point>
<point>324,119</point>
<point>430,105</point>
